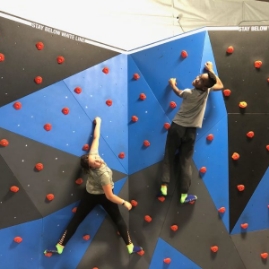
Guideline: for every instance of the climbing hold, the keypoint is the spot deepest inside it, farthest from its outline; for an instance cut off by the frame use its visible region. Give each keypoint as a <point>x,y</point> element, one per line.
<point>258,64</point>
<point>235,156</point>
<point>121,155</point>
<point>142,96</point>
<point>95,268</point>
<point>268,80</point>
<point>47,126</point>
<point>230,50</point>
<point>167,260</point>
<point>264,255</point>
<point>74,210</point>
<point>240,187</point>
<point>214,249</point>
<point>141,252</point>
<point>2,57</point>
<point>39,45</point>
<point>244,225</point>
<point>38,80</point>
<point>50,196</point>
<point>250,134</point>
<point>173,104</point>
<point>4,143</point>
<point>134,203</point>
<point>17,239</point>
<point>136,76</point>
<point>147,218</point>
<point>79,181</point>
<point>65,110</point>
<point>202,170</point>
<point>222,210</point>
<point>166,125</point>
<point>77,90</point>
<point>109,102</point>
<point>161,198</point>
<point>226,92</point>
<point>86,237</point>
<point>243,104</point>
<point>39,166</point>
<point>86,147</point>
<point>174,228</point>
<point>134,118</point>
<point>146,143</point>
<point>14,188</point>
<point>105,70</point>
<point>184,54</point>
<point>210,137</point>
<point>60,59</point>
<point>267,147</point>
<point>17,105</point>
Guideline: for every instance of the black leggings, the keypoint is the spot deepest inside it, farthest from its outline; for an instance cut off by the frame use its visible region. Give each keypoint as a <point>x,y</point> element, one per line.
<point>87,203</point>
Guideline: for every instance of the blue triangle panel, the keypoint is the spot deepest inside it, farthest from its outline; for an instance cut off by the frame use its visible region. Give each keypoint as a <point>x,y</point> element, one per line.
<point>150,124</point>
<point>99,87</point>
<point>215,108</point>
<point>178,260</point>
<point>214,156</point>
<point>26,254</point>
<point>162,62</point>
<point>256,213</point>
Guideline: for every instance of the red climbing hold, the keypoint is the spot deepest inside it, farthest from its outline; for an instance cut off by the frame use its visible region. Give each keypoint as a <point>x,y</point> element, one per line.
<point>134,118</point>
<point>74,210</point>
<point>244,225</point>
<point>60,59</point>
<point>184,54</point>
<point>174,228</point>
<point>161,198</point>
<point>142,96</point>
<point>147,218</point>
<point>17,239</point>
<point>4,143</point>
<point>250,134</point>
<point>47,126</point>
<point>134,203</point>
<point>202,170</point>
<point>14,188</point>
<point>240,187</point>
<point>77,90</point>
<point>86,237</point>
<point>258,64</point>
<point>166,125</point>
<point>267,147</point>
<point>146,143</point>
<point>39,45</point>
<point>79,181</point>
<point>2,57</point>
<point>214,249</point>
<point>173,104</point>
<point>39,166</point>
<point>141,252</point>
<point>243,104</point>
<point>38,80</point>
<point>109,102</point>
<point>230,49</point>
<point>50,196</point>
<point>105,70</point>
<point>210,137</point>
<point>121,155</point>
<point>167,260</point>
<point>136,76</point>
<point>17,105</point>
<point>235,156</point>
<point>264,255</point>
<point>226,92</point>
<point>86,147</point>
<point>65,110</point>
<point>48,254</point>
<point>222,210</point>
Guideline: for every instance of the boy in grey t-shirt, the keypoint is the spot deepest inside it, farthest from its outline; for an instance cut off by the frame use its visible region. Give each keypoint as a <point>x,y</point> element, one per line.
<point>182,133</point>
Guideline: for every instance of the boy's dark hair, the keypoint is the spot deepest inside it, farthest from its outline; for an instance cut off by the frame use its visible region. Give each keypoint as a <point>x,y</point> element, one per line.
<point>212,80</point>
<point>84,163</point>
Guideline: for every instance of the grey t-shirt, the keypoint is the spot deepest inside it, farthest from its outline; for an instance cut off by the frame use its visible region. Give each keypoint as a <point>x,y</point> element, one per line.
<point>98,177</point>
<point>192,109</point>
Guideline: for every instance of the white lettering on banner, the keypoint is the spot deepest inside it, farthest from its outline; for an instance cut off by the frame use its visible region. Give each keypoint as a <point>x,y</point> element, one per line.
<point>253,28</point>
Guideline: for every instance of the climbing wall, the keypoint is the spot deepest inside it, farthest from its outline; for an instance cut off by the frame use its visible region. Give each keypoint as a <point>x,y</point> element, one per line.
<point>62,84</point>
